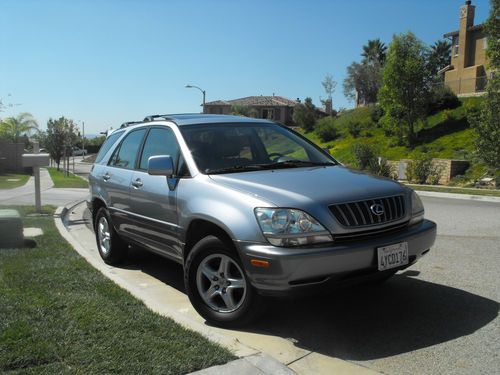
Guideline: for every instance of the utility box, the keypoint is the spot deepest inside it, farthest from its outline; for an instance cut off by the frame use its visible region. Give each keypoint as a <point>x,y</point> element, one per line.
<point>36,160</point>
<point>11,229</point>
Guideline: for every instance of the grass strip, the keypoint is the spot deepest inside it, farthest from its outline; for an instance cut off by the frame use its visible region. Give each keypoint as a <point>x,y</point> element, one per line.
<point>485,192</point>
<point>59,316</point>
<point>19,180</point>
<point>70,181</point>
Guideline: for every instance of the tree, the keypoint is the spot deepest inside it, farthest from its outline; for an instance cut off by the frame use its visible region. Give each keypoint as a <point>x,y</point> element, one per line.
<point>304,115</point>
<point>363,82</point>
<point>329,85</point>
<point>60,136</point>
<point>492,29</point>
<point>486,121</point>
<point>403,95</point>
<point>439,57</point>
<point>374,52</point>
<point>12,128</point>
<point>364,79</point>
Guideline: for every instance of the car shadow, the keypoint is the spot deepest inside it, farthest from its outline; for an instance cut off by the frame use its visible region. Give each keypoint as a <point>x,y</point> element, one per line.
<point>357,323</point>
<point>371,322</point>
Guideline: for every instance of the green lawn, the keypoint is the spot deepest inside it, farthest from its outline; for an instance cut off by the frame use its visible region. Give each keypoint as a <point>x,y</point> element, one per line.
<point>19,180</point>
<point>61,316</point>
<point>62,181</point>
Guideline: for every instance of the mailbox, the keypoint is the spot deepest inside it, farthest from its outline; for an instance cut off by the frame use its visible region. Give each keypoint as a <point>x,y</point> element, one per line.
<point>36,160</point>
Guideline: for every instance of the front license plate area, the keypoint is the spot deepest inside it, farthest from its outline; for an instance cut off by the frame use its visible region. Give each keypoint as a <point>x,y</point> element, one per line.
<point>392,256</point>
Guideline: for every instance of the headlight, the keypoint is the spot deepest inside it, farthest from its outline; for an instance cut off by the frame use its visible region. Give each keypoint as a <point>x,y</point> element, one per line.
<point>289,227</point>
<point>417,209</point>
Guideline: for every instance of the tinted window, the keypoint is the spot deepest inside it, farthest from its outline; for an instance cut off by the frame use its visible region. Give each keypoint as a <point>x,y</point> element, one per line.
<point>106,146</point>
<point>127,152</point>
<point>160,141</point>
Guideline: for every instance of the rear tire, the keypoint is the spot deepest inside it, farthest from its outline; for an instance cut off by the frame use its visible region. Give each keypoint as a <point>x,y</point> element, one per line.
<point>217,285</point>
<point>112,249</point>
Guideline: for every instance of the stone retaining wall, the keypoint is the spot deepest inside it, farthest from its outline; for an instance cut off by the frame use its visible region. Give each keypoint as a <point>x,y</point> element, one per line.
<point>448,168</point>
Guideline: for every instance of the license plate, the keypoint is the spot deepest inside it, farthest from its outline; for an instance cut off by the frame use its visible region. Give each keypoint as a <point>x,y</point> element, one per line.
<point>392,256</point>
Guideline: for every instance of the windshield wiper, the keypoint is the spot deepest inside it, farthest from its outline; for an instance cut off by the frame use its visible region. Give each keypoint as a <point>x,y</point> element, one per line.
<point>237,168</point>
<point>277,165</point>
<point>298,163</point>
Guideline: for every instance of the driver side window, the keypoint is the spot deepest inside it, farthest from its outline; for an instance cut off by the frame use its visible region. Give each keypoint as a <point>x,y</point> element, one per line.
<point>160,141</point>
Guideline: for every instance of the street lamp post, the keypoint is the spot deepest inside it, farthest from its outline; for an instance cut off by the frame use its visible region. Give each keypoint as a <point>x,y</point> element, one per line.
<point>202,91</point>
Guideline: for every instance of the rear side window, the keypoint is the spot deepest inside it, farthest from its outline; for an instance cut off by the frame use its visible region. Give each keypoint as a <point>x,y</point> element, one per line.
<point>160,141</point>
<point>126,154</point>
<point>106,146</point>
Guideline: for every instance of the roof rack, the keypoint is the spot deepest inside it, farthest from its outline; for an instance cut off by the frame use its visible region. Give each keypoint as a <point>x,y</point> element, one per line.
<point>130,123</point>
<point>155,117</point>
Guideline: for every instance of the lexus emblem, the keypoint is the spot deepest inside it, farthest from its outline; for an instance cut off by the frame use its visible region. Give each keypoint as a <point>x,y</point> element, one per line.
<point>377,209</point>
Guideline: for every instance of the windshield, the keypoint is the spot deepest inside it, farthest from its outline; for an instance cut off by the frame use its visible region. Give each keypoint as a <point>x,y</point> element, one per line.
<point>240,147</point>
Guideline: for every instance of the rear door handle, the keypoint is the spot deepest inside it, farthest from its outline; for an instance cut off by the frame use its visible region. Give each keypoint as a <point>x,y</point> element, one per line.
<point>106,176</point>
<point>137,183</point>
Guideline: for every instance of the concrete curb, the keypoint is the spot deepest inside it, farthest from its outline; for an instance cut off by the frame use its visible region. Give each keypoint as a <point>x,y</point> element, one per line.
<point>481,198</point>
<point>251,361</point>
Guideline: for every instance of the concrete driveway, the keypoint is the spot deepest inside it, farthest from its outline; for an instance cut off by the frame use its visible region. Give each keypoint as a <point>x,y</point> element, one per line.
<point>439,316</point>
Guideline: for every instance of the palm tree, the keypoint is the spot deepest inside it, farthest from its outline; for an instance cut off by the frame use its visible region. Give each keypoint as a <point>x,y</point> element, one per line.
<point>439,56</point>
<point>374,52</point>
<point>12,128</point>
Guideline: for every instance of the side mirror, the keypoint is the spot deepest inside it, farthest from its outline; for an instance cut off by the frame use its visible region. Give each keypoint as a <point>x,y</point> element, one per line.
<point>161,165</point>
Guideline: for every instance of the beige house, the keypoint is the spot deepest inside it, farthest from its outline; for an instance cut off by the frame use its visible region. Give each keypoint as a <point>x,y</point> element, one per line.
<point>276,108</point>
<point>468,72</point>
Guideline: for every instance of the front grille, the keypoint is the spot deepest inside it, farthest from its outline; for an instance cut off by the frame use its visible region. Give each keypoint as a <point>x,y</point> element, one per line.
<point>358,214</point>
<point>369,234</point>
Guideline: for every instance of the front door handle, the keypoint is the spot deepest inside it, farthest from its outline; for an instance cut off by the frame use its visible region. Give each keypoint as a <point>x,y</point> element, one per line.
<point>137,183</point>
<point>106,176</point>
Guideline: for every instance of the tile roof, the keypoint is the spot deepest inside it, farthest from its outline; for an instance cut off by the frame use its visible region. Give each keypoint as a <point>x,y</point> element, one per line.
<point>256,101</point>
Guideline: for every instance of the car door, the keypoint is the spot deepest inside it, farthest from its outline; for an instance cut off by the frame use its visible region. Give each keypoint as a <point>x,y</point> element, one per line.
<point>153,201</point>
<point>117,176</point>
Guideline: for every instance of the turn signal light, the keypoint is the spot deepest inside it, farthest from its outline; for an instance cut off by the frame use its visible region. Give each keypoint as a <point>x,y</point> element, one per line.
<point>259,263</point>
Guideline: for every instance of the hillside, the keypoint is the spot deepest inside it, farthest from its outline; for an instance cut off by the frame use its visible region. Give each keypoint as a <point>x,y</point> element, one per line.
<point>446,134</point>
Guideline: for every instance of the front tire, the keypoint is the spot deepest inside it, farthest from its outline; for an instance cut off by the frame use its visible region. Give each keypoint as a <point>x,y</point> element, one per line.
<point>111,247</point>
<point>217,285</point>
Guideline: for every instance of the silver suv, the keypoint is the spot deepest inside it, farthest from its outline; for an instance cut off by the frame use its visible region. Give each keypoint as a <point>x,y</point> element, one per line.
<point>249,208</point>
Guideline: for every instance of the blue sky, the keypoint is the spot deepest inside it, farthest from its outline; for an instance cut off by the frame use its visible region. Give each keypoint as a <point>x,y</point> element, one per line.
<point>106,62</point>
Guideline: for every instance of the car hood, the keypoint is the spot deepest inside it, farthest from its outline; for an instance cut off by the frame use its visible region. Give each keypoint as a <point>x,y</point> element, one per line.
<point>303,187</point>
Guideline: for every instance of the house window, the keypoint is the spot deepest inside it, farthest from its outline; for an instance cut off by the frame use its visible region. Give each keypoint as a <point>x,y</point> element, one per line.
<point>455,46</point>
<point>268,113</point>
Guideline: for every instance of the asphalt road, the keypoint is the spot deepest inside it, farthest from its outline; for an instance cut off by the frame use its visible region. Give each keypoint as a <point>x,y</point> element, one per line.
<point>82,169</point>
<point>438,317</point>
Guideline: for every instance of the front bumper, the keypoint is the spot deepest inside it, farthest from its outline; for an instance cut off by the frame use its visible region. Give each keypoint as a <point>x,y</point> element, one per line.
<point>294,270</point>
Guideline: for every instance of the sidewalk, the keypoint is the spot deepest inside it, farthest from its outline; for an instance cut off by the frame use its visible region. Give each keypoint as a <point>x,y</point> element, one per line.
<point>159,284</point>
<point>25,195</point>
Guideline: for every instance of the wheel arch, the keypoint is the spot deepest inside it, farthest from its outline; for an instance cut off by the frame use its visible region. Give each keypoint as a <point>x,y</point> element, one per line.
<point>200,228</point>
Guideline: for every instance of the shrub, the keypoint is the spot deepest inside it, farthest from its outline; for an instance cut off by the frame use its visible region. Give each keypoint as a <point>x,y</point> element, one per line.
<point>421,171</point>
<point>326,129</point>
<point>354,129</point>
<point>376,114</point>
<point>382,168</point>
<point>441,97</point>
<point>448,115</point>
<point>364,155</point>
